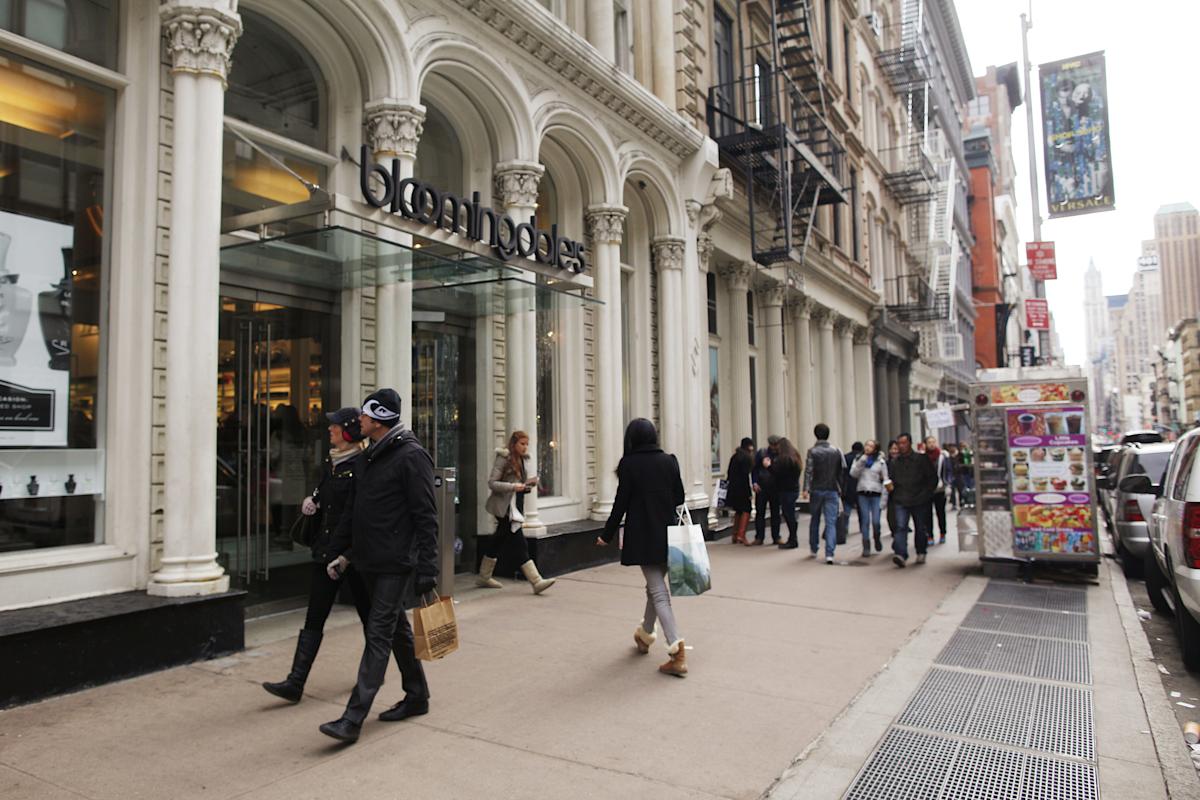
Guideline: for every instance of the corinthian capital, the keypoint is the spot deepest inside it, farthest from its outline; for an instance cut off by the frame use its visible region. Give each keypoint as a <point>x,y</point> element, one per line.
<point>862,334</point>
<point>771,296</point>
<point>738,275</point>
<point>606,224</point>
<point>200,35</point>
<point>704,248</point>
<point>516,183</point>
<point>668,252</point>
<point>393,128</point>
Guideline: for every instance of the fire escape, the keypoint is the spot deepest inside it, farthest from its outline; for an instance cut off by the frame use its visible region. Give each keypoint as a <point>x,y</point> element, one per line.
<point>772,129</point>
<point>920,176</point>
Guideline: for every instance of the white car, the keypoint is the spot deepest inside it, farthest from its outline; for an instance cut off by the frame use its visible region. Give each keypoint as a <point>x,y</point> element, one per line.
<point>1173,558</point>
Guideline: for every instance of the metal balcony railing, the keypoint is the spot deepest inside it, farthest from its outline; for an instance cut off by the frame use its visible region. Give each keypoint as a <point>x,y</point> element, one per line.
<point>912,299</point>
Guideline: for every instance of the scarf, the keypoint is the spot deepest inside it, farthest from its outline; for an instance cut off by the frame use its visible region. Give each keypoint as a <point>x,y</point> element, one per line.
<point>338,456</point>
<point>933,453</point>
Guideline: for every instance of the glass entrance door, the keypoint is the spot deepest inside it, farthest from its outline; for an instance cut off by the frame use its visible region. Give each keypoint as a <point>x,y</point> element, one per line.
<point>443,418</point>
<point>276,378</point>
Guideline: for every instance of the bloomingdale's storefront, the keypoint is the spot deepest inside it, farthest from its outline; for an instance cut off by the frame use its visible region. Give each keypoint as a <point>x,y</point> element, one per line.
<point>207,204</point>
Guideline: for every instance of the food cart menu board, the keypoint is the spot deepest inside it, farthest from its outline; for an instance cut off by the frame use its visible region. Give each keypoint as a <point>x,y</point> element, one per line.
<point>1051,488</point>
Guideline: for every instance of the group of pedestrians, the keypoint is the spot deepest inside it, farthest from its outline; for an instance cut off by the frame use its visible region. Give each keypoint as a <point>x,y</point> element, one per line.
<point>374,522</point>
<point>914,484</point>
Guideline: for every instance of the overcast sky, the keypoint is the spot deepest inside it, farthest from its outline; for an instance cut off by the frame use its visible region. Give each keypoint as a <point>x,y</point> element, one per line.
<point>1153,54</point>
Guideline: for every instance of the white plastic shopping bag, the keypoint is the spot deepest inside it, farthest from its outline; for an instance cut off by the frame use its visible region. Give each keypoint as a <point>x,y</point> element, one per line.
<point>516,520</point>
<point>688,570</point>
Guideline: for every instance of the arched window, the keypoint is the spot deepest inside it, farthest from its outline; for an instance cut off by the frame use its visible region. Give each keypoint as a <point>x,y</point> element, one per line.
<point>275,115</point>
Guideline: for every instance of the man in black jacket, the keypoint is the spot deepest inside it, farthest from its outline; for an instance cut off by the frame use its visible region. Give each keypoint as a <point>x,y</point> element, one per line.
<point>389,531</point>
<point>765,494</point>
<point>913,481</point>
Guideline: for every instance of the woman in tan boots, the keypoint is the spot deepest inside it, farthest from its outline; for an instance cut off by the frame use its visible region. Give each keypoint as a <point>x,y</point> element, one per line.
<point>509,483</point>
<point>649,490</point>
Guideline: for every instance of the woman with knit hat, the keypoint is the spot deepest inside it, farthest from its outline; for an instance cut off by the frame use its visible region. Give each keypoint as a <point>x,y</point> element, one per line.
<point>325,504</point>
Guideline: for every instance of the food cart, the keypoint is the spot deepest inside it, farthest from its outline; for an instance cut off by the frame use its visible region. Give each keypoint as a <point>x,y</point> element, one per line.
<point>1035,489</point>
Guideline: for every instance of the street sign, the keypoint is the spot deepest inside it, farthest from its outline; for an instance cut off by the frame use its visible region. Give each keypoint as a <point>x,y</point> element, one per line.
<point>1040,257</point>
<point>1037,314</point>
<point>940,416</point>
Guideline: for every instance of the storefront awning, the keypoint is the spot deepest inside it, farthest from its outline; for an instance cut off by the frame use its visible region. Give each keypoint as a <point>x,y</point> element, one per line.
<point>443,278</point>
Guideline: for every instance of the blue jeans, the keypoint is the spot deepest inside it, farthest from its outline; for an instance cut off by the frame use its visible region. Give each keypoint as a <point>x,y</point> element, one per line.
<point>823,502</point>
<point>787,504</point>
<point>868,515</point>
<point>922,517</point>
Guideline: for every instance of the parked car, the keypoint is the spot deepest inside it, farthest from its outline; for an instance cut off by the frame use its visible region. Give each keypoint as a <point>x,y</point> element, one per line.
<point>1172,564</point>
<point>1103,457</point>
<point>1106,487</point>
<point>1141,437</point>
<point>1131,510</point>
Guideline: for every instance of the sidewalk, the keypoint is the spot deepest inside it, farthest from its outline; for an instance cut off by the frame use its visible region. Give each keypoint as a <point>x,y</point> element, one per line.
<point>545,696</point>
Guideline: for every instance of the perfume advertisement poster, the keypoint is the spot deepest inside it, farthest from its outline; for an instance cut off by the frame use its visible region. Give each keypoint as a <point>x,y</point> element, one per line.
<point>35,340</point>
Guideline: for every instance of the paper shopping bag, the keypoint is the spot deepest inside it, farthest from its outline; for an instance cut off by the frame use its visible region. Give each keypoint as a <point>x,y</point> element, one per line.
<point>722,493</point>
<point>688,570</point>
<point>435,629</point>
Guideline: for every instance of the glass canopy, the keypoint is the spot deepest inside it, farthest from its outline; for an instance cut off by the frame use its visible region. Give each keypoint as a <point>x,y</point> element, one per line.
<point>443,278</point>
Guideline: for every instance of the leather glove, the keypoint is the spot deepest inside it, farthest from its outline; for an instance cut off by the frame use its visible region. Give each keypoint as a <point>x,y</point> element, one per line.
<point>425,584</point>
<point>308,507</point>
<point>336,567</point>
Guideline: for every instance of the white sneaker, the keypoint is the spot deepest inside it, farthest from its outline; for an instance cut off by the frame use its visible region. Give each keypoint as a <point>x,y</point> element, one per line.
<point>828,559</point>
<point>920,558</point>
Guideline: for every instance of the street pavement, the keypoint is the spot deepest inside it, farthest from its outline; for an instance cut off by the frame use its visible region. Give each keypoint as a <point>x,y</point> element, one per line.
<point>546,696</point>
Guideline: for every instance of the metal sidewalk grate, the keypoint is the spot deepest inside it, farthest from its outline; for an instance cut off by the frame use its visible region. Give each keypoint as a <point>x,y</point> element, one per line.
<point>914,766</point>
<point>1019,594</point>
<point>1017,655</point>
<point>1039,716</point>
<point>1027,622</point>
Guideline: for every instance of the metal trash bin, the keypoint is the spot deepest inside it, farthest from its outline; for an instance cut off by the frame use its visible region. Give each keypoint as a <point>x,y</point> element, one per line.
<point>968,530</point>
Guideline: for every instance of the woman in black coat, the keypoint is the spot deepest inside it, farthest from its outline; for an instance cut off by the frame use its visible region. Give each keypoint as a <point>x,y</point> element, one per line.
<point>325,505</point>
<point>649,491</point>
<point>737,489</point>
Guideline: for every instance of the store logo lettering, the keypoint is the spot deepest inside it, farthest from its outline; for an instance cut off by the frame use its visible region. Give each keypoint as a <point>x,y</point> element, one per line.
<point>419,201</point>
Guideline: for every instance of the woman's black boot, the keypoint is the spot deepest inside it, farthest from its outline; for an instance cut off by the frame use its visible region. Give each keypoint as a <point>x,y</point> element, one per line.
<point>292,688</point>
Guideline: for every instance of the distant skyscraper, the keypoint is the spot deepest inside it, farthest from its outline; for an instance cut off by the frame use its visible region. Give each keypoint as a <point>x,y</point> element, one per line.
<point>1177,234</point>
<point>1095,311</point>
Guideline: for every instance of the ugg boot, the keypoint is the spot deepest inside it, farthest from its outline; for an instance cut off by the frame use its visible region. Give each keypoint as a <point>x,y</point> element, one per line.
<point>677,666</point>
<point>485,579</point>
<point>292,688</point>
<point>643,640</point>
<point>535,579</point>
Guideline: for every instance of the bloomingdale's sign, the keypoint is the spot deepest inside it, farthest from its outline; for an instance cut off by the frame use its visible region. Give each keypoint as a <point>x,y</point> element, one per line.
<point>419,201</point>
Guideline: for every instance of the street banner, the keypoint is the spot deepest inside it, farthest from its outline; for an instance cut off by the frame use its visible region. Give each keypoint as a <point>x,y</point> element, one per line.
<point>1040,258</point>
<point>1037,314</point>
<point>1075,135</point>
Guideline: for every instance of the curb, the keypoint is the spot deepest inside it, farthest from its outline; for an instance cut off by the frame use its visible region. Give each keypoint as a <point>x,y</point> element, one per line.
<point>1174,759</point>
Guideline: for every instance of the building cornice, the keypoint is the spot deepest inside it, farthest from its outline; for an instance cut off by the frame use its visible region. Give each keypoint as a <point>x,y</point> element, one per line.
<point>554,46</point>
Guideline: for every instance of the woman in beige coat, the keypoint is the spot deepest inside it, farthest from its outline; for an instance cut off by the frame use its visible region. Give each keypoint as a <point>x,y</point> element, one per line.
<point>509,483</point>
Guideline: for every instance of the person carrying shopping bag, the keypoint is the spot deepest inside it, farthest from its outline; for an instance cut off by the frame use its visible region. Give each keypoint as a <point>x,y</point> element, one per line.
<point>869,471</point>
<point>509,483</point>
<point>649,491</point>
<point>324,510</point>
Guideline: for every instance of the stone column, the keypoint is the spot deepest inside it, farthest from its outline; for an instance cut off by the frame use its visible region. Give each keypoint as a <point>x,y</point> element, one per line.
<point>393,131</point>
<point>601,21</point>
<point>848,405</point>
<point>895,400</point>
<point>662,24</point>
<point>200,36</point>
<point>827,374</point>
<point>667,252</point>
<point>904,391</point>
<point>606,226</point>
<point>737,277</point>
<point>771,304</point>
<point>803,373</point>
<point>864,388</point>
<point>883,414</point>
<point>516,191</point>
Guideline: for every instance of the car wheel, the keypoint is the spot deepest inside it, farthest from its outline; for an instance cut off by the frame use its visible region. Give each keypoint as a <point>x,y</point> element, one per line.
<point>1156,583</point>
<point>1189,635</point>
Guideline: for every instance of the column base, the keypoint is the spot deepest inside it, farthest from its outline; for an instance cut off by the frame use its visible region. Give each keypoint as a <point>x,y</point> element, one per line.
<point>601,510</point>
<point>188,588</point>
<point>697,499</point>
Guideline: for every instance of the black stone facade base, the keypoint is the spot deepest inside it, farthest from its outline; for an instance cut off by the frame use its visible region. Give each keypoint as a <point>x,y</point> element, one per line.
<point>570,546</point>
<point>65,647</point>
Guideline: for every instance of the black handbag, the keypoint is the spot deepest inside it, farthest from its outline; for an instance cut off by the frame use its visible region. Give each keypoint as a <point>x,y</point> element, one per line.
<point>304,529</point>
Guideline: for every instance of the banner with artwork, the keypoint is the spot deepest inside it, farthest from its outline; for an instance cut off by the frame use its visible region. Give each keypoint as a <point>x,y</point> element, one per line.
<point>1078,161</point>
<point>35,331</point>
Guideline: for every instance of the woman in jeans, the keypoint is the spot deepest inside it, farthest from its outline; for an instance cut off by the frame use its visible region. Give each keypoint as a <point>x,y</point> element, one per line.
<point>787,467</point>
<point>892,453</point>
<point>649,490</point>
<point>326,504</point>
<point>509,481</point>
<point>870,471</point>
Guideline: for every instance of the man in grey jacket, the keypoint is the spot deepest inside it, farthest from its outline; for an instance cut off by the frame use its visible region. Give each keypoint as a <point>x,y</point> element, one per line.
<point>823,473</point>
